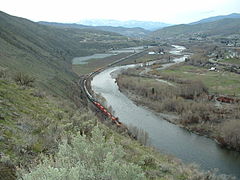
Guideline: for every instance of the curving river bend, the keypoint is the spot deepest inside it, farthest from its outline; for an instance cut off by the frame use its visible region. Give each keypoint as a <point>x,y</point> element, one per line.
<point>164,136</point>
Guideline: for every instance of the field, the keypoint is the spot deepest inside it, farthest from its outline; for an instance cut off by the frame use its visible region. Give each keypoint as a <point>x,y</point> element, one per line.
<point>223,82</point>
<point>232,61</point>
<point>183,90</point>
<point>94,64</point>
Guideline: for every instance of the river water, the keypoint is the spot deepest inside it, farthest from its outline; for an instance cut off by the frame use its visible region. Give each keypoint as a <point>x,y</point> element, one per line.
<point>164,136</point>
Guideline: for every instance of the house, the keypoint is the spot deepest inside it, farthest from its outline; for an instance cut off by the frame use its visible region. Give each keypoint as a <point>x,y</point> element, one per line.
<point>212,69</point>
<point>151,53</point>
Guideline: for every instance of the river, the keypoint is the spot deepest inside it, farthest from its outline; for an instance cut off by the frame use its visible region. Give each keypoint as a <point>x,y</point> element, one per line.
<point>164,136</point>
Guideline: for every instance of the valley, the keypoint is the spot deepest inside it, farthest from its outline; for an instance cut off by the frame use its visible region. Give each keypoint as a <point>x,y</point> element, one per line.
<point>144,90</point>
<point>174,91</point>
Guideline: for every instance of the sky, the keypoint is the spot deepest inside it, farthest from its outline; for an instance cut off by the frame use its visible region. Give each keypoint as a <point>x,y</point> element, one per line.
<point>72,11</point>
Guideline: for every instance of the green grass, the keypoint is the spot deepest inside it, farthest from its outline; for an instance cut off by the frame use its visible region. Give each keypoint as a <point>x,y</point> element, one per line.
<point>140,58</point>
<point>28,119</point>
<point>226,83</point>
<point>147,57</point>
<point>232,61</point>
<point>34,125</point>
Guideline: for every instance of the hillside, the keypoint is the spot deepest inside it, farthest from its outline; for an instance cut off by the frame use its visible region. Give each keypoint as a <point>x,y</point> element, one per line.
<point>35,127</point>
<point>130,32</point>
<point>46,52</point>
<point>224,27</point>
<point>216,18</point>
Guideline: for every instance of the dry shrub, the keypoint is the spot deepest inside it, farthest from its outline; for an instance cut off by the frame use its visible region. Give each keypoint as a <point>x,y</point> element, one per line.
<point>231,133</point>
<point>173,105</point>
<point>138,133</point>
<point>236,111</point>
<point>7,171</point>
<point>192,89</point>
<point>174,99</point>
<point>197,59</point>
<point>190,117</point>
<point>197,112</point>
<point>168,77</point>
<point>24,79</point>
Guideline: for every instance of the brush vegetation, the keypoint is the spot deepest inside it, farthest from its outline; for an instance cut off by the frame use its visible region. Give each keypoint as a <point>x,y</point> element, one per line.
<point>187,98</point>
<point>45,138</point>
<point>222,82</point>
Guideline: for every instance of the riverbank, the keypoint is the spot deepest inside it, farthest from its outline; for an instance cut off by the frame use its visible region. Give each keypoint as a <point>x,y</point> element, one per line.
<point>164,136</point>
<point>172,118</point>
<point>186,99</point>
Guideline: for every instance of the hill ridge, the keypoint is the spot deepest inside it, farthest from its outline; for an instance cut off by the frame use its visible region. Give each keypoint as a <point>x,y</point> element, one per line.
<point>223,27</point>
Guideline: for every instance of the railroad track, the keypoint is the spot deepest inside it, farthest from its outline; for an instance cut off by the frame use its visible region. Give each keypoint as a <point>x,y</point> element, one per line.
<point>83,82</point>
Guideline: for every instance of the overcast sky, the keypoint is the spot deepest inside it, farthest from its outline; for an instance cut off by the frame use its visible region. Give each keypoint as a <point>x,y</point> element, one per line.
<point>169,11</point>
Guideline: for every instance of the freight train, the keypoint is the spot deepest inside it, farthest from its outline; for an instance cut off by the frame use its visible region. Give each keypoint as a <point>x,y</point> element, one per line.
<point>114,119</point>
<point>94,101</point>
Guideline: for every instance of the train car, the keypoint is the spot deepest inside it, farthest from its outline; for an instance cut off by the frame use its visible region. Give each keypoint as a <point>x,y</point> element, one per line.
<point>98,105</point>
<point>106,113</point>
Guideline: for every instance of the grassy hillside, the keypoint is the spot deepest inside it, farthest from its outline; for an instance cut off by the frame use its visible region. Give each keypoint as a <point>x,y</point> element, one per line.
<point>130,32</point>
<point>34,127</point>
<point>45,52</point>
<point>223,27</point>
<point>30,122</point>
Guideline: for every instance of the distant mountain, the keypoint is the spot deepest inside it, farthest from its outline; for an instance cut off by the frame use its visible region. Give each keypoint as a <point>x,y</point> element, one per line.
<point>148,25</point>
<point>223,27</point>
<point>135,32</point>
<point>64,25</point>
<point>130,32</point>
<point>216,18</point>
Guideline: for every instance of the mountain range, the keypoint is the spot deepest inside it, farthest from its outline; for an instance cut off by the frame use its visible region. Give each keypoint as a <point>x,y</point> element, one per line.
<point>135,32</point>
<point>147,25</point>
<point>143,29</point>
